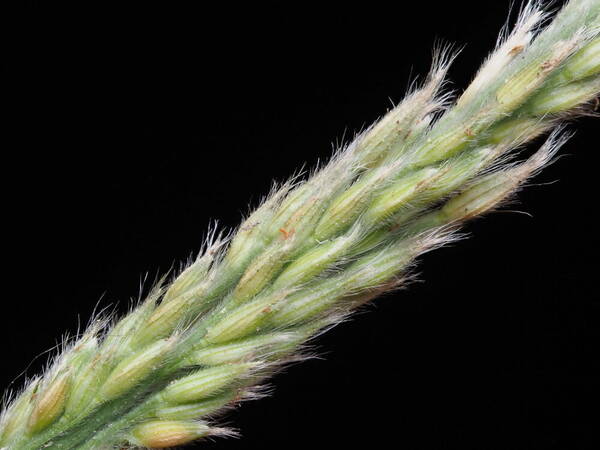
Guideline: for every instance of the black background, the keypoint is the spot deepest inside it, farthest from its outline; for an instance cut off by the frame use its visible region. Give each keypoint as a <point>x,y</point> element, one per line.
<point>135,127</point>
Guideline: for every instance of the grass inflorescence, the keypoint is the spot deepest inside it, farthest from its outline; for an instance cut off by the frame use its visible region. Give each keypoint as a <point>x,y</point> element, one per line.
<point>316,249</point>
